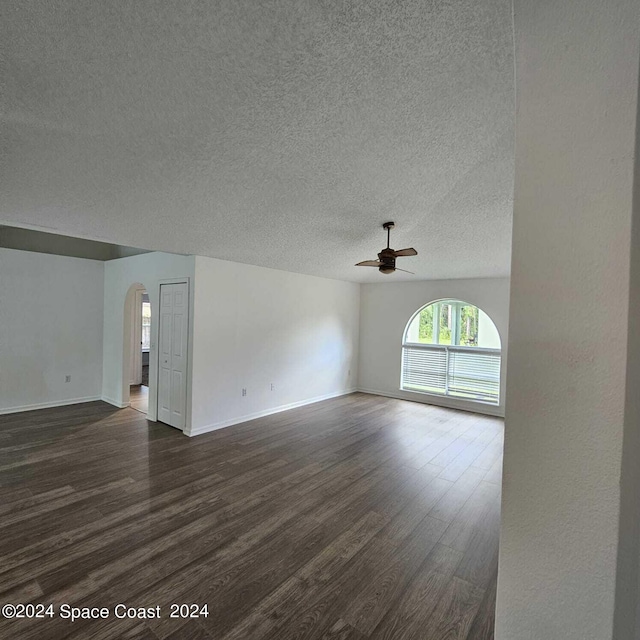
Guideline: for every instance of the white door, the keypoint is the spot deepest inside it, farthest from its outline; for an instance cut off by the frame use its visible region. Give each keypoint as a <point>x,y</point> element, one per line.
<point>172,354</point>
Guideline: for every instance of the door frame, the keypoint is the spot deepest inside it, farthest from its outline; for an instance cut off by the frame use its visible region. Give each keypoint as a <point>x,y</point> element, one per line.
<point>136,343</point>
<point>153,352</point>
<point>129,316</point>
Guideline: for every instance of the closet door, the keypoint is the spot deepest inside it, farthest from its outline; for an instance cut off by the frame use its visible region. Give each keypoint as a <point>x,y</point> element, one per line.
<point>172,354</point>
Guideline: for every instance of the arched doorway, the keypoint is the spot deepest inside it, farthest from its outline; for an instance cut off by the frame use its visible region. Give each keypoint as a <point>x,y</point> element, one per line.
<point>452,348</point>
<point>137,344</point>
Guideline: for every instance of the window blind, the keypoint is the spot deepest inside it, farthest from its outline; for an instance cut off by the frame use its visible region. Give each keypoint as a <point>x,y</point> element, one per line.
<point>464,372</point>
<point>424,370</point>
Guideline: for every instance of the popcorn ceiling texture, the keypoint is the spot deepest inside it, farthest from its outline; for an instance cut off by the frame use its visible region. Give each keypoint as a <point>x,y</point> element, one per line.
<point>278,133</point>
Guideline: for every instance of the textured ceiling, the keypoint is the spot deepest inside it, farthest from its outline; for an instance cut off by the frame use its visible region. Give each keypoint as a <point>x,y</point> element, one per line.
<point>281,133</point>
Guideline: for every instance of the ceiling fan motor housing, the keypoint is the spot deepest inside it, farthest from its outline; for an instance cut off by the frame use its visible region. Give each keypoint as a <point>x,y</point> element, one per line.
<point>388,259</point>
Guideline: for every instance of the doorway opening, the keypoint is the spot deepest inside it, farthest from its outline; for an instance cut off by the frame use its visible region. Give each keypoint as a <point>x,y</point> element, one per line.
<point>155,340</point>
<point>139,308</point>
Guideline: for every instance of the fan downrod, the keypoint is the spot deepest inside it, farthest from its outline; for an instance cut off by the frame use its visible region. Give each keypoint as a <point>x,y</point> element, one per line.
<point>387,226</point>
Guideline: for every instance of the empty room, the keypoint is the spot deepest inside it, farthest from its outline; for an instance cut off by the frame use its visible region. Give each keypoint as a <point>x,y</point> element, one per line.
<point>318,320</point>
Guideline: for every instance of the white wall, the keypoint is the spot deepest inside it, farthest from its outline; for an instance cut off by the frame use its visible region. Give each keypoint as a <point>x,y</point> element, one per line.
<point>256,326</point>
<point>150,270</point>
<point>50,327</point>
<point>569,539</point>
<point>384,312</point>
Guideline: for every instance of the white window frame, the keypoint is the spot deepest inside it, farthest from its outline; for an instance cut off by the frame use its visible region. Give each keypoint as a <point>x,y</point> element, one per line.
<point>492,380</point>
<point>142,326</point>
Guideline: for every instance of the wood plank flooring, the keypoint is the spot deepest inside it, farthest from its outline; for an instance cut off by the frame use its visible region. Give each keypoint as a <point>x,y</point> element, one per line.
<point>357,517</point>
<point>139,397</point>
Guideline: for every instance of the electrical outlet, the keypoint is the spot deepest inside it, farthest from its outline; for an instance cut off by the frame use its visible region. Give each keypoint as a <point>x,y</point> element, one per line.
<point>244,392</point>
<point>67,378</point>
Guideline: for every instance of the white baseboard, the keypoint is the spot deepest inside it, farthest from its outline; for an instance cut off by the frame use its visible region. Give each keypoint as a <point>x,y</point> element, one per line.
<point>444,401</point>
<point>261,414</point>
<point>115,403</point>
<point>48,405</point>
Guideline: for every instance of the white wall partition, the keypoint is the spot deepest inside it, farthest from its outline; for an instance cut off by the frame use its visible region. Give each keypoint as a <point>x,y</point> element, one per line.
<point>571,491</point>
<point>287,338</point>
<point>51,327</point>
<point>385,310</point>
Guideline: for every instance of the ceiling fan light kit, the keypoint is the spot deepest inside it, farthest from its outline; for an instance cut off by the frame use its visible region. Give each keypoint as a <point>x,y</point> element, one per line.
<point>386,261</point>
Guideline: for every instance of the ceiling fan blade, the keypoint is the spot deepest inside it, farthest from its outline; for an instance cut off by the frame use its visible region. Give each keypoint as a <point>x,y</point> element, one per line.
<point>369,263</point>
<point>405,271</point>
<point>406,252</point>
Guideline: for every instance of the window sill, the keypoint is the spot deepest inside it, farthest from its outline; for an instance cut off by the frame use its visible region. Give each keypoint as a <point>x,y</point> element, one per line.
<point>450,397</point>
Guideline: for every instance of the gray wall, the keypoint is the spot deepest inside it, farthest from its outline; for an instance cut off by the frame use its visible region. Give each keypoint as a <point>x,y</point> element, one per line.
<point>50,327</point>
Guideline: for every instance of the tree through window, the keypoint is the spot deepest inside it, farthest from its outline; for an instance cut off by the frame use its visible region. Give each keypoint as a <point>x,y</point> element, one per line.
<point>453,348</point>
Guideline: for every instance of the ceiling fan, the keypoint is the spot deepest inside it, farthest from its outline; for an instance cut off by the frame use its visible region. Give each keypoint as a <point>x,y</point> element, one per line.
<point>386,261</point>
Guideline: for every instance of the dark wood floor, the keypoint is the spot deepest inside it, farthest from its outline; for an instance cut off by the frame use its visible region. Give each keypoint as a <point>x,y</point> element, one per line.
<point>139,397</point>
<point>358,517</point>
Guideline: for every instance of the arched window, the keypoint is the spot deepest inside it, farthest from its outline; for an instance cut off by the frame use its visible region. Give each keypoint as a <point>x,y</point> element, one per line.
<point>452,348</point>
